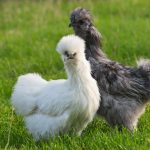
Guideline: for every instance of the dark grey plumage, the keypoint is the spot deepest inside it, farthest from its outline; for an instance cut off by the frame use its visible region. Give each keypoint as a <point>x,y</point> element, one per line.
<point>124,91</point>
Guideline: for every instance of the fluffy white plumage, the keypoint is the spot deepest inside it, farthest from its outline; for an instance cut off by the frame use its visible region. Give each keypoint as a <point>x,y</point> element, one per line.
<point>56,106</point>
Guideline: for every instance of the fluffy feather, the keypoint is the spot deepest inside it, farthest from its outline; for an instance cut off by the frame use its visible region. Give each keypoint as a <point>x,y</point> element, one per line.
<point>57,106</point>
<point>145,64</point>
<point>124,90</point>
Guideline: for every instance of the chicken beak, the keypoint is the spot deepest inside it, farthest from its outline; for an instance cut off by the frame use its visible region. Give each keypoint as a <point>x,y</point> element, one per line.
<point>70,25</point>
<point>71,57</point>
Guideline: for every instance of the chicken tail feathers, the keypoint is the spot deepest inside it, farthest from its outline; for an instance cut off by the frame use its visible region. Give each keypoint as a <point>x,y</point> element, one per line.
<point>144,64</point>
<point>26,88</point>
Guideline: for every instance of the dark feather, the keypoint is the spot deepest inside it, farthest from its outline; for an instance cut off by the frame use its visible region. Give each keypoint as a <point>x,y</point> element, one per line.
<point>124,90</point>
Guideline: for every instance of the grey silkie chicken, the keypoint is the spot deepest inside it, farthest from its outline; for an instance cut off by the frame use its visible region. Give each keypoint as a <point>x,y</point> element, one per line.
<point>125,91</point>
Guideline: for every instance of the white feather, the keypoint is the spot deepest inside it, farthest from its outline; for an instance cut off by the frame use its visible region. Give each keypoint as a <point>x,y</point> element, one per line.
<point>53,107</point>
<point>144,63</point>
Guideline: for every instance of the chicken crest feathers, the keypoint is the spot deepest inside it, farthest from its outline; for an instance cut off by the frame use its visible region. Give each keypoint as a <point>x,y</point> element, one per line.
<point>71,43</point>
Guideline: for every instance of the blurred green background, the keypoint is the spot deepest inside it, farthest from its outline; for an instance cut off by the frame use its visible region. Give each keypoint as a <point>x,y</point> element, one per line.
<point>29,32</point>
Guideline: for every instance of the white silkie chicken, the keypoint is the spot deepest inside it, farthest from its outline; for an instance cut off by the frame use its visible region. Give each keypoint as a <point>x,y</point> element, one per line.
<point>57,106</point>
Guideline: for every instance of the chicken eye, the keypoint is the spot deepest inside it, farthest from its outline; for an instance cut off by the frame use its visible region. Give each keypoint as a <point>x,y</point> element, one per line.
<point>66,53</point>
<point>74,54</point>
<point>80,22</point>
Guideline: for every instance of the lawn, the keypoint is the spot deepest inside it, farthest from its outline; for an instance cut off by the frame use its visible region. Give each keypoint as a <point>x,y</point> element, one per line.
<point>29,32</point>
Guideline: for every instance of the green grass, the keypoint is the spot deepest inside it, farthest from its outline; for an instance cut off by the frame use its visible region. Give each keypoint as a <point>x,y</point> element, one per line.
<point>29,32</point>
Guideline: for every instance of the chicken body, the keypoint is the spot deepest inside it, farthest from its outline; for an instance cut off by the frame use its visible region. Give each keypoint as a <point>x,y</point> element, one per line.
<point>57,106</point>
<point>124,90</point>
